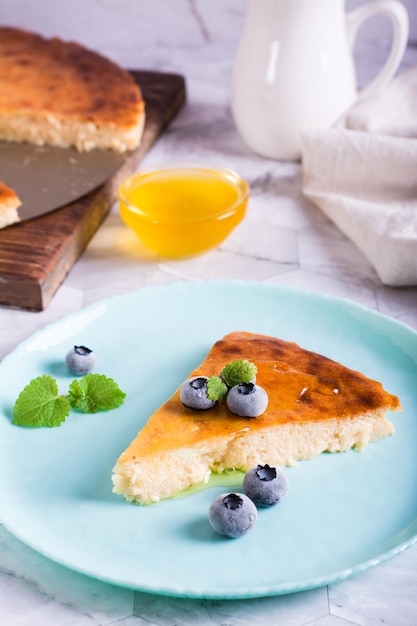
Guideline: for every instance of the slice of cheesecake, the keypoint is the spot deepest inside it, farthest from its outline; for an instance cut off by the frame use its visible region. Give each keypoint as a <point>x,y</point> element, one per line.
<point>9,203</point>
<point>315,405</point>
<point>63,94</point>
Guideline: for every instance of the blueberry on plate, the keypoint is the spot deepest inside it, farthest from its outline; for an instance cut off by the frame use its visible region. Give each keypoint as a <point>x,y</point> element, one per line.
<point>247,400</point>
<point>232,514</point>
<point>265,485</point>
<point>193,394</point>
<point>80,360</point>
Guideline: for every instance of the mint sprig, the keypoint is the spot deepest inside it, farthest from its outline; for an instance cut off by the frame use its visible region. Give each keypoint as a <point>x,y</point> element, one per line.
<point>40,404</point>
<point>95,392</point>
<point>238,372</point>
<point>216,388</point>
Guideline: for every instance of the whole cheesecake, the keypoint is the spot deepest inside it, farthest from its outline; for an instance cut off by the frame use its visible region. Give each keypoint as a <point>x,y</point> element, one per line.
<point>315,405</point>
<point>63,94</point>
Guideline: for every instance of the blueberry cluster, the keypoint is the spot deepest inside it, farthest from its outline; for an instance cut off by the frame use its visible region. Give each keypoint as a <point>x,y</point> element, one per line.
<point>234,514</point>
<point>246,399</point>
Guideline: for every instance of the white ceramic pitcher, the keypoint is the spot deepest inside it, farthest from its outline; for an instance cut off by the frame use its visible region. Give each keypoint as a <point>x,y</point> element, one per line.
<point>294,68</point>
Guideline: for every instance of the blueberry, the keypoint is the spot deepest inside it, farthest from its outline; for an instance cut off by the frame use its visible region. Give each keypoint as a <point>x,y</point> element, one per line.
<point>80,360</point>
<point>232,514</point>
<point>193,394</point>
<point>247,400</point>
<point>265,485</point>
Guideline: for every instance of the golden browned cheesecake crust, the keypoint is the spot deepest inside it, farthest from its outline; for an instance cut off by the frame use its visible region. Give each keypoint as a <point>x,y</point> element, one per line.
<point>302,387</point>
<point>315,405</point>
<point>52,82</point>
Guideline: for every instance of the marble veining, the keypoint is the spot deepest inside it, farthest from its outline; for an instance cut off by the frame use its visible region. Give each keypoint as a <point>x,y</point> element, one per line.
<point>284,240</point>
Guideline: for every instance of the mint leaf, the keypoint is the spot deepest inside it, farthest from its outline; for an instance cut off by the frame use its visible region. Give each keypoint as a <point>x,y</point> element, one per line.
<point>76,396</point>
<point>95,392</point>
<point>40,405</point>
<point>216,388</point>
<point>238,372</point>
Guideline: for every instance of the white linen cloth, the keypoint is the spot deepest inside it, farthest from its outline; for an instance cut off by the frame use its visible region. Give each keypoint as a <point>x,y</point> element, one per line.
<point>362,173</point>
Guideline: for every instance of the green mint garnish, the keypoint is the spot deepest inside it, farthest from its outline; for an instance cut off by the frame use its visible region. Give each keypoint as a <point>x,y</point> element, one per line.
<point>95,392</point>
<point>238,372</point>
<point>39,404</point>
<point>216,388</point>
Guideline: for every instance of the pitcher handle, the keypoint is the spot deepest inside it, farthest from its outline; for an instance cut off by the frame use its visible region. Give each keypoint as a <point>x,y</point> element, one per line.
<point>398,15</point>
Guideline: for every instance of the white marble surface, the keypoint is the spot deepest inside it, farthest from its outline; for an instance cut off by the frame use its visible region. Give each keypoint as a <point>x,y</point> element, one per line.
<point>283,240</point>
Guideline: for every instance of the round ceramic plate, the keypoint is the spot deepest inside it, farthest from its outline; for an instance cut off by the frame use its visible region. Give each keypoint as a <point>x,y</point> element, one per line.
<point>343,513</point>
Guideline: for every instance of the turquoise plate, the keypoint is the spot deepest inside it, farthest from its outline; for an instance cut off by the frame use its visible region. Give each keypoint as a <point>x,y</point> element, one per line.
<point>343,513</point>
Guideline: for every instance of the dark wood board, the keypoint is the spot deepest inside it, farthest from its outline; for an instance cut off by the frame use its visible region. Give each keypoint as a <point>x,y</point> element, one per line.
<point>35,256</point>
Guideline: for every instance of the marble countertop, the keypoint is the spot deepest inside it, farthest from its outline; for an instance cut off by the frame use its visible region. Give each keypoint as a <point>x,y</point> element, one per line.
<point>284,240</point>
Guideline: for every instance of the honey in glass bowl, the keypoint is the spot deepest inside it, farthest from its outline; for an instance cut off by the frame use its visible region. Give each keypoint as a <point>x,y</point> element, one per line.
<point>185,210</point>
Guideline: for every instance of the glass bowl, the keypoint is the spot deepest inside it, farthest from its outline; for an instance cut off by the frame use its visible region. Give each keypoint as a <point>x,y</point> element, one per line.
<point>183,210</point>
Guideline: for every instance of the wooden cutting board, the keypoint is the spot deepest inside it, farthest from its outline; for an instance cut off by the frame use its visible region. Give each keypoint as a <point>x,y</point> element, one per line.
<point>35,256</point>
